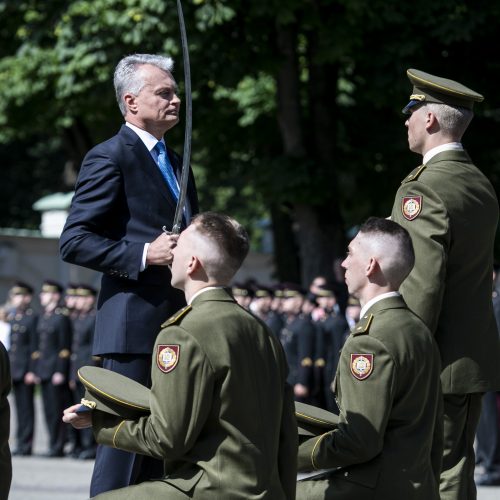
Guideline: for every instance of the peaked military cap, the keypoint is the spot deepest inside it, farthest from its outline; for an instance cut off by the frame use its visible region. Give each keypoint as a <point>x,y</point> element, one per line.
<point>314,421</point>
<point>85,291</point>
<point>21,288</point>
<point>430,88</point>
<point>52,286</point>
<point>292,290</point>
<point>71,290</point>
<point>113,393</point>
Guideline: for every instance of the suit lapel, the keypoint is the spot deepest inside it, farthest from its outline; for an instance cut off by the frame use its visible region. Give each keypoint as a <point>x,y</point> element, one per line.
<point>146,163</point>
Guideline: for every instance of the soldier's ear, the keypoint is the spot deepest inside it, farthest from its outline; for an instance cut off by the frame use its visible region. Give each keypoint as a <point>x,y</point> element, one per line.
<point>372,267</point>
<point>194,265</point>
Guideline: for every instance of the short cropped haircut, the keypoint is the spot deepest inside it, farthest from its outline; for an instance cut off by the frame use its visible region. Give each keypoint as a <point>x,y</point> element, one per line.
<point>127,78</point>
<point>453,120</point>
<point>230,238</point>
<point>394,246</point>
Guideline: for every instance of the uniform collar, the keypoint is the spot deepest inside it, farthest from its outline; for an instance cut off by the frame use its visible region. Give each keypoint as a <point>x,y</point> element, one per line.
<point>451,146</point>
<point>373,301</point>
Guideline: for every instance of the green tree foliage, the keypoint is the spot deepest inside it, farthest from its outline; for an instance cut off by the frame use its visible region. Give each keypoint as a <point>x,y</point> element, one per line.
<point>296,103</point>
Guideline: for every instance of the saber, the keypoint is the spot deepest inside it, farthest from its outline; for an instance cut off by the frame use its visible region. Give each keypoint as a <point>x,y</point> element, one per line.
<point>179,209</point>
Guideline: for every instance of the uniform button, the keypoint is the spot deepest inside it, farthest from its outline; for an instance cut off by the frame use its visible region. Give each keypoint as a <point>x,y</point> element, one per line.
<point>346,474</point>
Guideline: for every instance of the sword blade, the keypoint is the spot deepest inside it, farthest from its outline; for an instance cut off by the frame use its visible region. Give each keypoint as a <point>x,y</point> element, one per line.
<point>186,156</point>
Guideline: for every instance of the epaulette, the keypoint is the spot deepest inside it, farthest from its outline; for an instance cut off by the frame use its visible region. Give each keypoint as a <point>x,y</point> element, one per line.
<point>363,325</point>
<point>64,354</point>
<point>413,176</point>
<point>177,316</point>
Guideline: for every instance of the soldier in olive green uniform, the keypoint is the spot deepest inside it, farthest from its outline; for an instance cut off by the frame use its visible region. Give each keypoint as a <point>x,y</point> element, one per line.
<point>387,387</point>
<point>5,458</point>
<point>222,414</point>
<point>451,211</point>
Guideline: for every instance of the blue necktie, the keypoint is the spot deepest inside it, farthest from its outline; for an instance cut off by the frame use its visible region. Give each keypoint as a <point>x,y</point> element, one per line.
<point>166,169</point>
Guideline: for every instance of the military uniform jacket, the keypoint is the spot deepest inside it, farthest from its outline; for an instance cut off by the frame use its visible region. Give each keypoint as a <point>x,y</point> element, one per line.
<point>22,342</point>
<point>53,342</point>
<point>298,338</point>
<point>222,415</point>
<point>451,212</point>
<point>388,391</point>
<point>5,459</point>
<point>81,345</point>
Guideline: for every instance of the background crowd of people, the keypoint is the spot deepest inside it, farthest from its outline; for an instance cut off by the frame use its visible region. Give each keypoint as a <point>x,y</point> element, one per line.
<point>47,343</point>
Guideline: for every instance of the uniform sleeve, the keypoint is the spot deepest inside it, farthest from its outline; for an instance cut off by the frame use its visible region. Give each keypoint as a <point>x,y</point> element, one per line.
<point>430,232</point>
<point>365,406</point>
<point>85,240</point>
<point>64,335</point>
<point>180,400</point>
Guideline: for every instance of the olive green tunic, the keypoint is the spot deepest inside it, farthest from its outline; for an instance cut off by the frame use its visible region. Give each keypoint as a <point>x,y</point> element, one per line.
<point>222,416</point>
<point>388,391</point>
<point>5,458</point>
<point>450,285</point>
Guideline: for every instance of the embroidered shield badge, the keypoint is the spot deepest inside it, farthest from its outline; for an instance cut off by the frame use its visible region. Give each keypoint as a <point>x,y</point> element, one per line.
<point>411,206</point>
<point>167,357</point>
<point>361,365</point>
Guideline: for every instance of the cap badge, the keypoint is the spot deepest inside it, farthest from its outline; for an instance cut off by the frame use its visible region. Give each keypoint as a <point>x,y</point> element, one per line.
<point>411,207</point>
<point>361,365</point>
<point>167,357</point>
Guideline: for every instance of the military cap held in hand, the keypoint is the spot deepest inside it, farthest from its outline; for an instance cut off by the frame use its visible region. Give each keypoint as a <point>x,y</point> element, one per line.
<point>429,88</point>
<point>113,393</point>
<point>314,421</point>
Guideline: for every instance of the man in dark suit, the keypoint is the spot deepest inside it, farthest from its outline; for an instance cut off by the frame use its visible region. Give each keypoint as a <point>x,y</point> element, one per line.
<point>125,194</point>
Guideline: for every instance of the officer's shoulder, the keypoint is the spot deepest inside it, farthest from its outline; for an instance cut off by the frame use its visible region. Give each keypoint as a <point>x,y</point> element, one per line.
<point>363,326</point>
<point>177,317</point>
<point>414,174</point>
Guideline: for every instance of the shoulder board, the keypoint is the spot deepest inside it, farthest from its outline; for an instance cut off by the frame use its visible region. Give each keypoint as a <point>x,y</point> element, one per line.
<point>177,316</point>
<point>413,176</point>
<point>363,325</point>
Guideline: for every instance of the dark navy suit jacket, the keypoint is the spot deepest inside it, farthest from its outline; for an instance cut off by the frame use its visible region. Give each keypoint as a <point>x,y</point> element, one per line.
<point>121,202</point>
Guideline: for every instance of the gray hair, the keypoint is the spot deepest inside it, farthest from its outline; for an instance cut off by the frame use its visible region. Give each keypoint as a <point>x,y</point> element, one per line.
<point>127,78</point>
<point>453,120</point>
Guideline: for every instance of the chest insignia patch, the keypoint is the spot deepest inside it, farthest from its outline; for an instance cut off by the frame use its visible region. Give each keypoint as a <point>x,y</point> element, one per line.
<point>167,357</point>
<point>411,206</point>
<point>361,365</point>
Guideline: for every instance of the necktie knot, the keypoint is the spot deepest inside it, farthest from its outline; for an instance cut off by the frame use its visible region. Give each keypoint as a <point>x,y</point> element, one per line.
<point>160,147</point>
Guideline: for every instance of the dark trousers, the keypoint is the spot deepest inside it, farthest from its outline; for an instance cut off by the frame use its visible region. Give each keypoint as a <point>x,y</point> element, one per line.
<point>488,434</point>
<point>25,413</point>
<point>114,468</point>
<point>461,416</point>
<point>54,401</point>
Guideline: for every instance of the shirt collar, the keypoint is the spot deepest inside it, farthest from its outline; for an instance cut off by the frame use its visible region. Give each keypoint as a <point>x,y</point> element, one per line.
<point>451,146</point>
<point>375,300</point>
<point>148,139</point>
